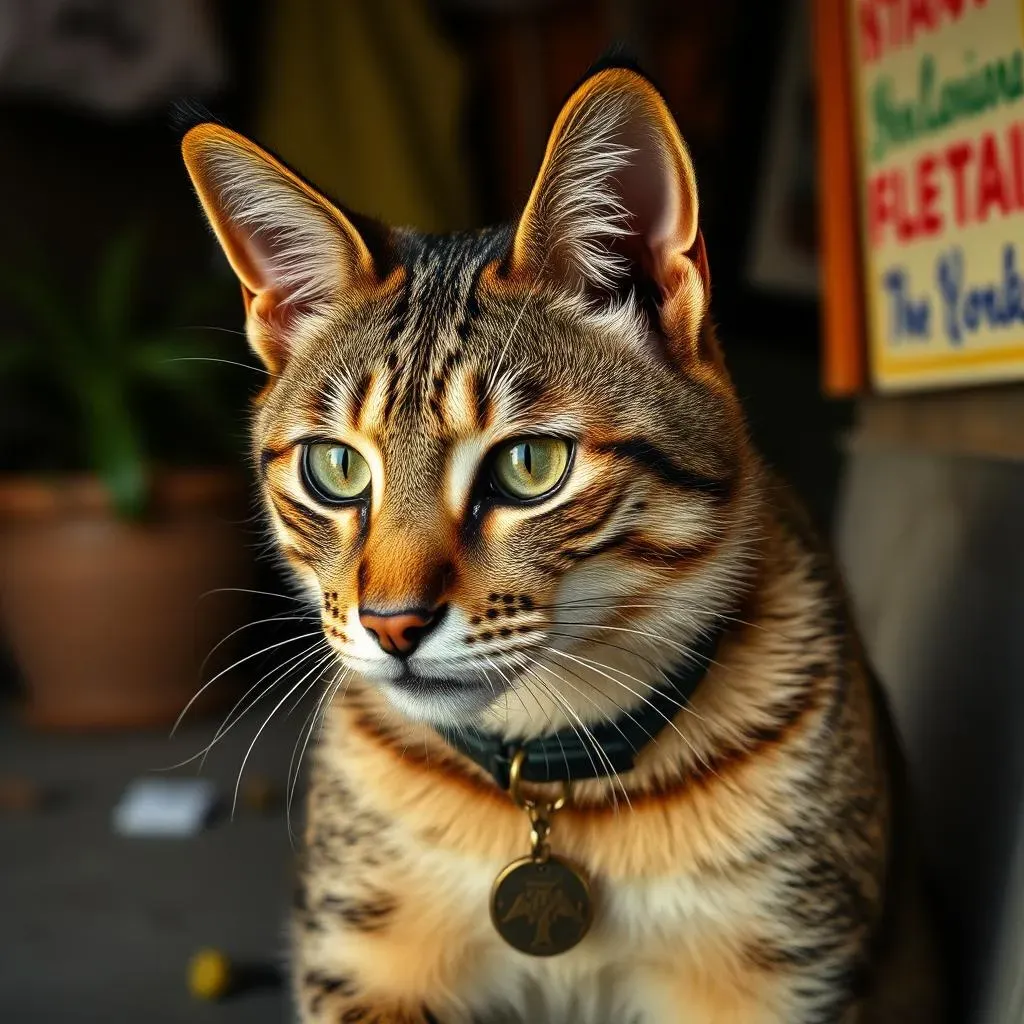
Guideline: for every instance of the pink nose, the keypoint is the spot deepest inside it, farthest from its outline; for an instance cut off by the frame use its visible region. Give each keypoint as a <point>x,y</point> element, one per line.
<point>399,633</point>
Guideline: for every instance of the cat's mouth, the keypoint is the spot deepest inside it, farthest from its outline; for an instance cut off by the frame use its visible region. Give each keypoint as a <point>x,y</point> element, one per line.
<point>414,682</point>
<point>442,700</point>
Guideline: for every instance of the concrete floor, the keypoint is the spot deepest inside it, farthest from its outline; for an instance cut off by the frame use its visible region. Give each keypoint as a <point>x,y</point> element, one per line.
<point>95,927</point>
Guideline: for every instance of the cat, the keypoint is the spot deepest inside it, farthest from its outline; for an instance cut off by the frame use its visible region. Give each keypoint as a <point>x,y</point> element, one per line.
<point>510,469</point>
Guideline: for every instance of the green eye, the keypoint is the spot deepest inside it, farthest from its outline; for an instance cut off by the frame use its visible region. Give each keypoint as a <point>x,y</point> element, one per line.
<point>531,468</point>
<point>335,472</point>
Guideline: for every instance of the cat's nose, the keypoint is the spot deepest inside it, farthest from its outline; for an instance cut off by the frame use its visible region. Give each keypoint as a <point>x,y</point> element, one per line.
<point>400,633</point>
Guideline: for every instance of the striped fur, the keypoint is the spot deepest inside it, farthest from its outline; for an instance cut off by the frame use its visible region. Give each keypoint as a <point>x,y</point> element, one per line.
<point>745,868</point>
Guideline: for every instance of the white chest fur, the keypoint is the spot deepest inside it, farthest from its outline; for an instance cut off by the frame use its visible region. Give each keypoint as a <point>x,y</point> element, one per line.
<point>616,975</point>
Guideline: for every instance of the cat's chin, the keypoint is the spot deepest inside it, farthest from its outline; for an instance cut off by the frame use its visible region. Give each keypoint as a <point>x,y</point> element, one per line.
<point>441,702</point>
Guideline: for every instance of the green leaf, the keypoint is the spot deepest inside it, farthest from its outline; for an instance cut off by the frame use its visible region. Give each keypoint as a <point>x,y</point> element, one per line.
<point>115,289</point>
<point>91,349</point>
<point>116,450</point>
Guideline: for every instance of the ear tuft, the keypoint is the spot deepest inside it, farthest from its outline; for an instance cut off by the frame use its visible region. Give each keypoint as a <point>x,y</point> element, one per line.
<point>618,57</point>
<point>186,114</point>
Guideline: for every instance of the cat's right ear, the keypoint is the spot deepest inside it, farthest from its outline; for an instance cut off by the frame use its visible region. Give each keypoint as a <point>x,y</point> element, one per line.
<point>292,250</point>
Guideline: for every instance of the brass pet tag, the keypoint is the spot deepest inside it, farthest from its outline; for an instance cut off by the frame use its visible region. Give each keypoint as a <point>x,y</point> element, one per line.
<point>540,904</point>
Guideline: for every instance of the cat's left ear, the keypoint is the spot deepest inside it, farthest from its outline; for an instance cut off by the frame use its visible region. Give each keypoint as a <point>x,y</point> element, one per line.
<point>293,251</point>
<point>615,204</point>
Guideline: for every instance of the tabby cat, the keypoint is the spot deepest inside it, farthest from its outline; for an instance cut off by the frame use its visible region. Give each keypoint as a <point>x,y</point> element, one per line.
<point>510,469</point>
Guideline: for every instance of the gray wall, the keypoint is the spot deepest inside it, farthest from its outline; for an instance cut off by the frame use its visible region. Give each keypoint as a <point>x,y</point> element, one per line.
<point>933,554</point>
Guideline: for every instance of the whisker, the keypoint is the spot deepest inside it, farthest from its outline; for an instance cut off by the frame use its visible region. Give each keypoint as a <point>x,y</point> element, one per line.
<point>309,721</point>
<point>213,359</point>
<point>524,664</point>
<point>283,670</point>
<point>602,711</point>
<point>598,666</point>
<point>300,699</point>
<point>224,728</point>
<point>529,689</point>
<point>213,327</point>
<point>611,775</point>
<point>282,617</point>
<point>257,593</point>
<point>643,682</point>
<point>685,649</point>
<point>326,698</point>
<point>234,665</point>
<point>509,686</point>
<point>607,643</point>
<point>320,665</point>
<point>589,604</point>
<point>490,683</point>
<point>320,731</point>
<point>618,728</point>
<point>492,377</point>
<point>511,335</point>
<point>553,693</point>
<point>572,718</point>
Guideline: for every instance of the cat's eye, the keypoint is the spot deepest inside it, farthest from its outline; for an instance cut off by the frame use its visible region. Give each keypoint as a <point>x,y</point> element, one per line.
<point>335,472</point>
<point>530,468</point>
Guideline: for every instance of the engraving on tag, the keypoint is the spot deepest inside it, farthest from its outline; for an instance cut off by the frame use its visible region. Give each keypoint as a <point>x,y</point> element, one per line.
<point>541,907</point>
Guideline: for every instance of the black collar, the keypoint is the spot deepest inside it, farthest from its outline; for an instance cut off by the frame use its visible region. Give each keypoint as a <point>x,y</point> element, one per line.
<point>609,749</point>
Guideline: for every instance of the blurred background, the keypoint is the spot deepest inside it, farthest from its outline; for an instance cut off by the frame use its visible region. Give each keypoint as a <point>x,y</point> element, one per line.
<point>134,567</point>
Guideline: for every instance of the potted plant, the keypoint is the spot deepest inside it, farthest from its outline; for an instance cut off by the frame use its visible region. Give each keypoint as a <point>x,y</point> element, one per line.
<point>117,513</point>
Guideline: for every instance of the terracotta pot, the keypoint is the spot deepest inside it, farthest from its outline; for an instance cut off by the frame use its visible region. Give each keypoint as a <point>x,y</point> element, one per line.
<point>106,618</point>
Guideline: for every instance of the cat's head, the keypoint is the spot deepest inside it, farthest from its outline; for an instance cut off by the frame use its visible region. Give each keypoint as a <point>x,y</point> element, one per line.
<point>505,464</point>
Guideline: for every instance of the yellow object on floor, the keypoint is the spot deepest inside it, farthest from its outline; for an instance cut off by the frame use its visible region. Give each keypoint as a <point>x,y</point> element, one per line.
<point>209,974</point>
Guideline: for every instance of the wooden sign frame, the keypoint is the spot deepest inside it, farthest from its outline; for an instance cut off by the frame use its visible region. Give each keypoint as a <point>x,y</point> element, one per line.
<point>844,362</point>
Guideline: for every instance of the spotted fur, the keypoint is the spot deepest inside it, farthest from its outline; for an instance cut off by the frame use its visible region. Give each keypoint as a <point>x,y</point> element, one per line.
<point>747,869</point>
